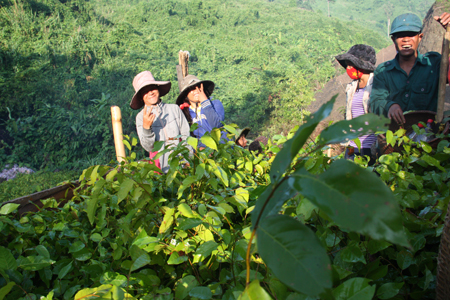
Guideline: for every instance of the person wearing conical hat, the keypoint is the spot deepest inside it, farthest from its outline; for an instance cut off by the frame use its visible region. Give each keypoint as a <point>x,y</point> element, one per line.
<point>198,107</point>
<point>410,80</point>
<point>241,137</point>
<point>157,121</point>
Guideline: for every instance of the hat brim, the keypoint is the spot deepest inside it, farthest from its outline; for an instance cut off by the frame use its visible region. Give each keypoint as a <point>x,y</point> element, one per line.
<point>358,63</point>
<point>244,132</point>
<point>208,87</point>
<point>163,87</point>
<point>406,28</point>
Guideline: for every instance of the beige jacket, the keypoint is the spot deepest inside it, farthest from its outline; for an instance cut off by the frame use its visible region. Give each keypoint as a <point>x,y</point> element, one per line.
<point>170,117</point>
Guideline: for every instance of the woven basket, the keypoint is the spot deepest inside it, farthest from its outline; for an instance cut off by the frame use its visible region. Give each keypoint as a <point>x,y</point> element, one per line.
<point>411,118</point>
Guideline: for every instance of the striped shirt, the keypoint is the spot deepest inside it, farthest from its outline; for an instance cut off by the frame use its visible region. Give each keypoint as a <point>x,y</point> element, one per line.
<point>358,110</point>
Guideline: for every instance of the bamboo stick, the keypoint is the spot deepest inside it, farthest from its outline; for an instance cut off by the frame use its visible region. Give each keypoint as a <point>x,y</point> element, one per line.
<point>443,76</point>
<point>183,59</point>
<point>116,118</point>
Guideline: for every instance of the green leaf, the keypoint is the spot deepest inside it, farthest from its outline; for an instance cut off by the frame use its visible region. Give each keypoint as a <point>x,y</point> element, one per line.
<point>192,141</point>
<point>254,291</point>
<point>294,254</point>
<point>8,208</point>
<point>201,292</point>
<point>206,248</point>
<point>426,147</point>
<point>189,224</point>
<point>7,260</point>
<point>6,289</point>
<point>433,162</point>
<point>185,210</point>
<point>374,246</point>
<point>125,188</point>
<point>103,292</point>
<point>404,259</point>
<point>284,192</point>
<point>96,237</point>
<point>290,149</point>
<point>63,272</point>
<point>220,173</point>
<point>82,255</point>
<point>184,286</point>
<point>91,209</point>
<point>167,221</point>
<point>346,130</point>
<point>42,251</point>
<point>113,278</point>
<point>77,246</point>
<point>176,259</point>
<point>390,138</point>
<point>355,289</point>
<point>34,263</point>
<point>354,198</point>
<point>49,296</point>
<point>186,184</point>
<point>209,142</point>
<point>141,261</point>
<point>352,254</point>
<point>389,290</point>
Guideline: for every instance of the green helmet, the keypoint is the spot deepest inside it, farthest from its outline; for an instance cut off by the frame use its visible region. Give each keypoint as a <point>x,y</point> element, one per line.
<point>406,22</point>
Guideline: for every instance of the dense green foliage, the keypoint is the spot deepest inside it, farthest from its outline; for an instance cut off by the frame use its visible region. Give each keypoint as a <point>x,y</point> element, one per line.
<point>323,225</point>
<point>266,58</point>
<point>372,14</point>
<point>26,184</point>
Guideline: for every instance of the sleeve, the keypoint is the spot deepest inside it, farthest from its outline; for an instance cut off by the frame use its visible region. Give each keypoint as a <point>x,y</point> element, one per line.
<point>183,123</point>
<point>379,102</point>
<point>214,112</point>
<point>146,136</point>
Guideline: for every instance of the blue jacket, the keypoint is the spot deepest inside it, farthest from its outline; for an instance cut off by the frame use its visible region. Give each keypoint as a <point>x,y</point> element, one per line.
<point>211,115</point>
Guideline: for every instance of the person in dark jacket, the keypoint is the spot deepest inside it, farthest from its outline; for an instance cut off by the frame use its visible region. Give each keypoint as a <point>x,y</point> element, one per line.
<point>198,107</point>
<point>410,80</point>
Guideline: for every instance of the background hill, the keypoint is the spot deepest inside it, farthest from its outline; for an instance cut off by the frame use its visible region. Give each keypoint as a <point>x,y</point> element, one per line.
<point>372,14</point>
<point>63,63</point>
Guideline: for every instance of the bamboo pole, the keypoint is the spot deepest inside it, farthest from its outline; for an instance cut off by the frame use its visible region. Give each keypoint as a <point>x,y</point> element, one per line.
<point>116,118</point>
<point>443,76</point>
<point>182,67</point>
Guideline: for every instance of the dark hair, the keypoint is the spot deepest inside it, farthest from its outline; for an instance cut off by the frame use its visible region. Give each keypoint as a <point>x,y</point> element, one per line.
<point>255,146</point>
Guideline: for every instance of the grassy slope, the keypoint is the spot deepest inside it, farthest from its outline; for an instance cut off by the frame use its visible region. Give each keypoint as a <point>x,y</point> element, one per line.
<point>372,14</point>
<point>266,58</point>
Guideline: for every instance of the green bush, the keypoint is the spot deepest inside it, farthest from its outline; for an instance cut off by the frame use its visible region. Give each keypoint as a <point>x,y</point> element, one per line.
<point>290,223</point>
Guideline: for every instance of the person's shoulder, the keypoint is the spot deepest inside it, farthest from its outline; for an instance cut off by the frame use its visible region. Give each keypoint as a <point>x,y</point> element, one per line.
<point>171,106</point>
<point>385,66</point>
<point>433,57</point>
<point>432,54</point>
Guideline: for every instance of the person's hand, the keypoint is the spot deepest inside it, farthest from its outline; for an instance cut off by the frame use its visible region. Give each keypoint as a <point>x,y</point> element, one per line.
<point>443,19</point>
<point>395,112</point>
<point>201,94</point>
<point>148,117</point>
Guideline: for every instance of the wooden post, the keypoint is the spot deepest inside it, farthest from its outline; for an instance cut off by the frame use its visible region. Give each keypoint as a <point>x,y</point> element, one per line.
<point>116,118</point>
<point>182,67</point>
<point>443,76</point>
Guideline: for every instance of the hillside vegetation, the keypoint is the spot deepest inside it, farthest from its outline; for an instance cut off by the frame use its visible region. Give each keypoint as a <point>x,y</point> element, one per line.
<point>371,14</point>
<point>65,62</point>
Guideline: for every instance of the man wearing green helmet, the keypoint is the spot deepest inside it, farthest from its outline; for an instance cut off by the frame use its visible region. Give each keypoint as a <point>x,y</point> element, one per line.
<point>410,80</point>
